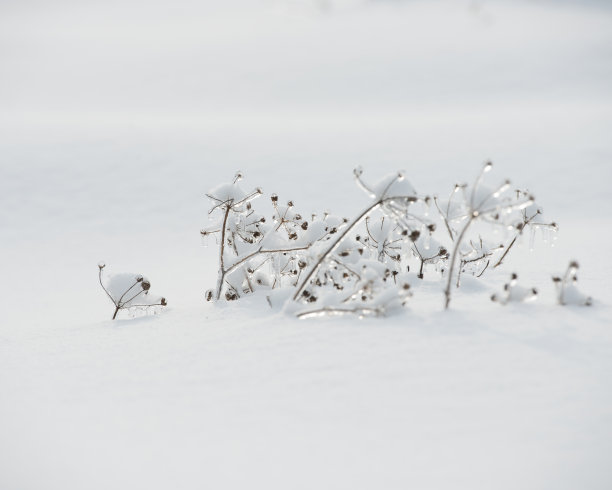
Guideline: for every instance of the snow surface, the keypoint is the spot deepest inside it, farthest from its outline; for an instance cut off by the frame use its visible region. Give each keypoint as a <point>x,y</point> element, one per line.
<point>117,117</point>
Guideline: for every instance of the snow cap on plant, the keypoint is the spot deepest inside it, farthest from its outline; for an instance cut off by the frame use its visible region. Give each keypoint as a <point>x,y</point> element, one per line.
<point>129,292</point>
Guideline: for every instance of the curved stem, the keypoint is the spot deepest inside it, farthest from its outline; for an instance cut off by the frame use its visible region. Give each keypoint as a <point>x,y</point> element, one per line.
<point>501,259</point>
<point>105,290</point>
<point>447,291</point>
<point>222,271</point>
<point>333,247</point>
<point>341,237</point>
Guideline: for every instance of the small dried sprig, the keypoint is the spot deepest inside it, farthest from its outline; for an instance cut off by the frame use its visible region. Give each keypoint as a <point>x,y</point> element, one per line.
<point>529,219</point>
<point>567,289</point>
<point>426,249</point>
<point>128,291</point>
<point>513,293</point>
<point>476,258</point>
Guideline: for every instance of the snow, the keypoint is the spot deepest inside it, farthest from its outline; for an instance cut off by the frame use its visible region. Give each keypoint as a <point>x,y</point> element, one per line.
<point>118,117</point>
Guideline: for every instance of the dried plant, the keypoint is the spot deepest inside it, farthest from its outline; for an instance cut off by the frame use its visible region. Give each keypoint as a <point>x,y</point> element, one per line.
<point>129,292</point>
<point>256,252</point>
<point>528,220</point>
<point>513,293</point>
<point>367,258</point>
<point>477,203</point>
<point>567,289</point>
<point>362,266</point>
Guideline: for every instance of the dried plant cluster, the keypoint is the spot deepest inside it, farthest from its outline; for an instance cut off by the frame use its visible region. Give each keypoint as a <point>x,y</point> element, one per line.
<point>129,292</point>
<point>368,265</point>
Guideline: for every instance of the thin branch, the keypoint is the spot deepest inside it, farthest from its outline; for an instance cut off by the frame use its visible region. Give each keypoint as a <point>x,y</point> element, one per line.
<point>485,268</point>
<point>222,271</point>
<point>501,259</point>
<point>105,290</point>
<point>447,291</point>
<point>444,218</point>
<point>362,184</point>
<point>127,301</point>
<point>127,291</point>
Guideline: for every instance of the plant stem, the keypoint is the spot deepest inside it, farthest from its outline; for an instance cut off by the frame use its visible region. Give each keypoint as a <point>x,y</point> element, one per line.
<point>447,291</point>
<point>333,247</point>
<point>221,277</point>
<point>506,252</point>
<point>341,237</point>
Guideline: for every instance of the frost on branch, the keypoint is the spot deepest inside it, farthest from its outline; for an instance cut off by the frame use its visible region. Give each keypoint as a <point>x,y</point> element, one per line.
<point>129,292</point>
<point>513,293</point>
<point>567,289</point>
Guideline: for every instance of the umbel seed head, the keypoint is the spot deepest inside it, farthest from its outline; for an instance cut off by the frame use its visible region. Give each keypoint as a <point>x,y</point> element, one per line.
<point>101,265</point>
<point>146,285</point>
